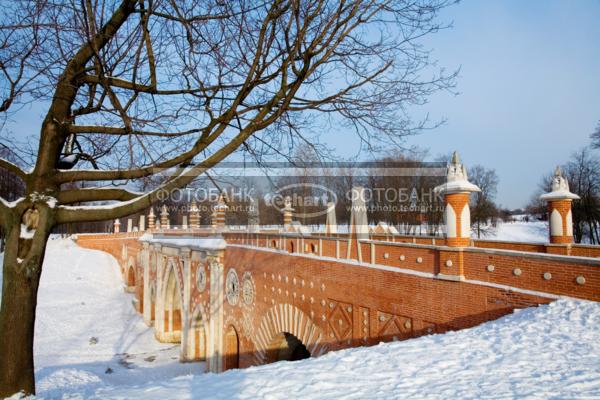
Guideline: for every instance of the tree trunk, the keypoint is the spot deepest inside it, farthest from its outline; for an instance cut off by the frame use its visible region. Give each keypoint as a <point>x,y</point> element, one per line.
<point>21,275</point>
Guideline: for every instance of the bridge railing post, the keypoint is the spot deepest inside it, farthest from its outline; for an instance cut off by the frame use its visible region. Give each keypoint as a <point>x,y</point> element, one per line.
<point>559,210</point>
<point>151,219</point>
<point>456,192</point>
<point>457,218</point>
<point>194,218</point>
<point>164,218</point>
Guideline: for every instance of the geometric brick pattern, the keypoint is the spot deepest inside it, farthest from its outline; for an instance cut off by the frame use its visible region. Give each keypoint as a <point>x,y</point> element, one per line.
<point>393,326</point>
<point>340,319</point>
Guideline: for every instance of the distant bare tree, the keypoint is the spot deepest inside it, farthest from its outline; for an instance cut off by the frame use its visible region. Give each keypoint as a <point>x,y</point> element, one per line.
<point>595,136</point>
<point>583,174</point>
<point>134,88</point>
<point>482,203</point>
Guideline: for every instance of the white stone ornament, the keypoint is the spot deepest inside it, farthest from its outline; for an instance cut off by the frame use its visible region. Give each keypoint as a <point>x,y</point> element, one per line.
<point>457,180</point>
<point>201,278</point>
<point>248,289</point>
<point>232,287</point>
<point>560,188</point>
<point>547,276</point>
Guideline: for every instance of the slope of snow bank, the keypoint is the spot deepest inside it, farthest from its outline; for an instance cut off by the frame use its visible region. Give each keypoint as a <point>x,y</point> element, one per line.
<point>551,351</point>
<point>88,334</point>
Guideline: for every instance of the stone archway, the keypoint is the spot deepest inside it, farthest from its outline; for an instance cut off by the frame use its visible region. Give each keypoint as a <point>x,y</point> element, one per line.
<point>130,276</point>
<point>287,322</point>
<point>232,349</point>
<point>172,307</point>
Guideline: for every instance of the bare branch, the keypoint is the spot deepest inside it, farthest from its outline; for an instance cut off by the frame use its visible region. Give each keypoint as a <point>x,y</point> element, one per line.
<point>95,194</point>
<point>108,130</point>
<point>12,168</point>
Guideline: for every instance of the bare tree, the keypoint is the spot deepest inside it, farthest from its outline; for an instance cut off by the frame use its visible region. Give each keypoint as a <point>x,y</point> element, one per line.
<point>595,136</point>
<point>139,87</point>
<point>482,203</point>
<point>583,174</point>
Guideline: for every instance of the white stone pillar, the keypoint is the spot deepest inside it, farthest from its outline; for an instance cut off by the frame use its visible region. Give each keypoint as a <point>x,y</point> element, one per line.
<point>129,225</point>
<point>146,254</point>
<point>159,307</point>
<point>287,213</point>
<point>359,225</point>
<point>117,226</point>
<point>457,214</point>
<point>219,214</point>
<point>151,219</point>
<point>194,216</point>
<point>164,218</point>
<point>214,353</point>
<point>331,221</point>
<point>253,217</point>
<point>142,226</point>
<point>186,324</point>
<point>560,216</point>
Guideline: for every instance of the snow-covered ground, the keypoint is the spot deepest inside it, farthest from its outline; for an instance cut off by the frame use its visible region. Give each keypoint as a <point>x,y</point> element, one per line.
<point>81,301</point>
<point>549,352</point>
<point>546,352</point>
<point>520,231</point>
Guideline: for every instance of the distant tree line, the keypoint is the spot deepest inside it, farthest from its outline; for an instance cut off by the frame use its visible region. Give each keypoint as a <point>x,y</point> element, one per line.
<point>583,174</point>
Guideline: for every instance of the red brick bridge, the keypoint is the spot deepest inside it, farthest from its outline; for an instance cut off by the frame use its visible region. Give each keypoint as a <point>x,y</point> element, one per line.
<point>237,298</point>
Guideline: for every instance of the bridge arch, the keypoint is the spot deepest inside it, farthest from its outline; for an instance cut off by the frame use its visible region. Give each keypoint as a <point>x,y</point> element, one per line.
<point>172,303</point>
<point>129,273</point>
<point>286,347</point>
<point>286,332</point>
<point>130,276</point>
<point>232,349</point>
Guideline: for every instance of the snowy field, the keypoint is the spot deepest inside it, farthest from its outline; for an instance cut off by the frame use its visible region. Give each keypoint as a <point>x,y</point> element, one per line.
<point>87,332</point>
<point>519,231</point>
<point>547,352</point>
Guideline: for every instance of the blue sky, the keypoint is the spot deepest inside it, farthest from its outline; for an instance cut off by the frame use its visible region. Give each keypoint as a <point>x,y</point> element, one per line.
<point>528,91</point>
<point>529,87</point>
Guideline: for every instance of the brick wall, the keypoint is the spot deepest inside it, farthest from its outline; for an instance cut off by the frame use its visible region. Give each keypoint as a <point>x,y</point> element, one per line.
<point>399,291</point>
<point>356,305</point>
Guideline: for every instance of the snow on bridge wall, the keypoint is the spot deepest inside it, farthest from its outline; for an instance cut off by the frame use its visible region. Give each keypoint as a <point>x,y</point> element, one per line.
<point>263,297</point>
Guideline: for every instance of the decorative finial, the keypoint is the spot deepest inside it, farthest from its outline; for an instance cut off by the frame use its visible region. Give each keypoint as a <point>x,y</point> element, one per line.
<point>560,188</point>
<point>457,179</point>
<point>455,158</point>
<point>557,171</point>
